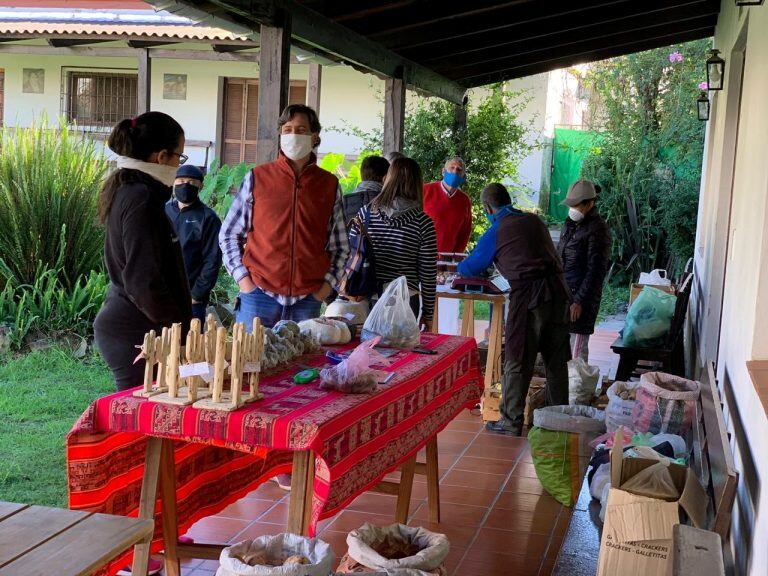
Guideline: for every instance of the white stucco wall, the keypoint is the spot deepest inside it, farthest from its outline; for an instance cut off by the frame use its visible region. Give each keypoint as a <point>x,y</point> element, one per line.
<point>348,97</point>
<point>745,301</point>
<point>534,89</point>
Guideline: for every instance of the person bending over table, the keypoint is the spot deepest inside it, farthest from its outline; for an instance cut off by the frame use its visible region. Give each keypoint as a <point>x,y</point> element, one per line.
<point>518,243</point>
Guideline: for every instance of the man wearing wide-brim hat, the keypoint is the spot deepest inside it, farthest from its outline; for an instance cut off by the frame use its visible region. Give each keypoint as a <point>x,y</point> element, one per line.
<point>584,248</point>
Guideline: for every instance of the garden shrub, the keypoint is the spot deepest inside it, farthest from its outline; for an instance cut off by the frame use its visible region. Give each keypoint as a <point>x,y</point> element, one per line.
<point>50,180</point>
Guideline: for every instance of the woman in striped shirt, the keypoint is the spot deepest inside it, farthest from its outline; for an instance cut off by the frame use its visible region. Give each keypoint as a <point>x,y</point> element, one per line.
<point>403,236</point>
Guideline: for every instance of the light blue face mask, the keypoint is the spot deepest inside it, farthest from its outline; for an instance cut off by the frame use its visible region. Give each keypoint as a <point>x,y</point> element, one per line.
<point>453,180</point>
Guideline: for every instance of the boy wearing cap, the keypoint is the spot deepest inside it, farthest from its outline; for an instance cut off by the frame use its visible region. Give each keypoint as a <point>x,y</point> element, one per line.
<point>584,248</point>
<point>197,227</point>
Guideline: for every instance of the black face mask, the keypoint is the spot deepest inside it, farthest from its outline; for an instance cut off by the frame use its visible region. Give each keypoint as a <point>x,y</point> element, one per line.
<point>186,193</point>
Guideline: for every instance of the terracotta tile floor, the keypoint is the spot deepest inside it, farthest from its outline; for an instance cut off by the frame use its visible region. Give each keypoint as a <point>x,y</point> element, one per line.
<point>494,511</point>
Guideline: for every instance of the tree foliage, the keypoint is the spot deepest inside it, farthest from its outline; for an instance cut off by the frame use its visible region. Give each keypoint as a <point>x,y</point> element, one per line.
<point>649,158</point>
<point>493,143</point>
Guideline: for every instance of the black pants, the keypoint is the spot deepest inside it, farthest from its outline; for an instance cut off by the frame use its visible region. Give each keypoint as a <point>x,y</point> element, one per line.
<point>546,332</point>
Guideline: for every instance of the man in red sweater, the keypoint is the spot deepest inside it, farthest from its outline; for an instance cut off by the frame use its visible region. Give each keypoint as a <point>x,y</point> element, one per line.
<point>450,208</point>
<point>451,211</point>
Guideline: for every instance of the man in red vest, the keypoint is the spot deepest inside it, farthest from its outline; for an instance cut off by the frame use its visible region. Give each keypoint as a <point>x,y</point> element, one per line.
<point>450,208</point>
<point>284,239</point>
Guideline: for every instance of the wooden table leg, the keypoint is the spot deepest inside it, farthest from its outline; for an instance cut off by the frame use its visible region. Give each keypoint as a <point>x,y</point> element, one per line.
<point>493,362</point>
<point>170,520</point>
<point>302,490</point>
<point>404,491</point>
<point>433,481</point>
<point>147,503</point>
<point>468,319</point>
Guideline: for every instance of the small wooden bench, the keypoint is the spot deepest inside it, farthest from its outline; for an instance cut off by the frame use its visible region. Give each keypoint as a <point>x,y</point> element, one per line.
<point>711,460</point>
<point>41,541</point>
<point>670,354</point>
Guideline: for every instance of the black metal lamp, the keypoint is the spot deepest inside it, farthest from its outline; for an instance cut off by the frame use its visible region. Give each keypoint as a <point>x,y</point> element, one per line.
<point>749,2</point>
<point>702,107</point>
<point>715,70</point>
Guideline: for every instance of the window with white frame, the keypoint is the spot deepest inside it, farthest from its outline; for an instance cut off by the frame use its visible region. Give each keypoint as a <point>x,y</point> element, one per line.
<point>96,100</point>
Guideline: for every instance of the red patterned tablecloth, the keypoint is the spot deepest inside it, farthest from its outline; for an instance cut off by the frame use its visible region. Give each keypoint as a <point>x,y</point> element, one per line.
<point>221,456</point>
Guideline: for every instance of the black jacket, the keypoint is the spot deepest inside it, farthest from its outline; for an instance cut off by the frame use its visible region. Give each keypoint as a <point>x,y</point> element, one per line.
<point>366,191</point>
<point>149,287</point>
<point>585,249</point>
<point>197,227</point>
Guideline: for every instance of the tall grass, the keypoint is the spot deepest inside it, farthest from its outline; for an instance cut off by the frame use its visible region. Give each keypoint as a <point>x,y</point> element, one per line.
<point>49,185</point>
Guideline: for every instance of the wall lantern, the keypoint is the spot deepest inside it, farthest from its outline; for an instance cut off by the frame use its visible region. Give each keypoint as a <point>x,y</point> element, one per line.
<point>715,71</point>
<point>702,106</point>
<point>749,2</point>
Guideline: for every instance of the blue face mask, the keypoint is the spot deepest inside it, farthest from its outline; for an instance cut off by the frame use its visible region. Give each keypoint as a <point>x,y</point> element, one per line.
<point>453,180</point>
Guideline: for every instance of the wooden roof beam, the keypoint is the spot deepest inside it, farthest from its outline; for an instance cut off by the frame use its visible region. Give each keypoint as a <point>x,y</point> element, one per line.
<point>557,30</point>
<point>327,37</point>
<point>68,42</point>
<point>594,55</point>
<point>531,20</point>
<point>488,60</point>
<point>150,43</point>
<point>225,48</point>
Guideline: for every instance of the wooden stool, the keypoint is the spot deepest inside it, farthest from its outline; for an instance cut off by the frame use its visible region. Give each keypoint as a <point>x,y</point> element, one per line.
<point>493,368</point>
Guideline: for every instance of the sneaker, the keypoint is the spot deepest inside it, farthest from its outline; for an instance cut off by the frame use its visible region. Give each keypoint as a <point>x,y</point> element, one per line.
<point>500,428</point>
<point>284,481</point>
<point>155,567</point>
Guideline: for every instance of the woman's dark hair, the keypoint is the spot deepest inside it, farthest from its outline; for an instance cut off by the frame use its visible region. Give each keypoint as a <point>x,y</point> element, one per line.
<point>403,181</point>
<point>137,138</point>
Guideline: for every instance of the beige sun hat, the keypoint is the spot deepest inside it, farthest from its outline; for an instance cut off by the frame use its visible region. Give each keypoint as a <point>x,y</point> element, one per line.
<point>578,192</point>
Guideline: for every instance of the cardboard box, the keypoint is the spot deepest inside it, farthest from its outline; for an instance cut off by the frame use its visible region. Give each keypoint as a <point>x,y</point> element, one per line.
<point>489,405</point>
<point>637,288</point>
<point>637,533</point>
<point>536,398</point>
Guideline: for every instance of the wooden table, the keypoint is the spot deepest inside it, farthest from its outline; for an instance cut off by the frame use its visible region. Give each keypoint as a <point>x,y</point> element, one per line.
<point>493,368</point>
<point>125,452</point>
<point>41,541</point>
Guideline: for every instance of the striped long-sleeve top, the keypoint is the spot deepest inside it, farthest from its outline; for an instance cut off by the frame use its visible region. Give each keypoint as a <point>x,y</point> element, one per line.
<point>405,245</point>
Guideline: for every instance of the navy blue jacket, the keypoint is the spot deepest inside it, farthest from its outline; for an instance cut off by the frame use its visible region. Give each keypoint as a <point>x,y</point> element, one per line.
<point>197,227</point>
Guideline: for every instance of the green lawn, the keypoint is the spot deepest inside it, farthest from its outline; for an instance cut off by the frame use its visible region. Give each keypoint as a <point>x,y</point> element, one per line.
<point>41,396</point>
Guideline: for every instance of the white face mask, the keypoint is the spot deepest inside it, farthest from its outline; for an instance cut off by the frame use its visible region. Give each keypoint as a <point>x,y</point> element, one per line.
<point>575,215</point>
<point>296,146</point>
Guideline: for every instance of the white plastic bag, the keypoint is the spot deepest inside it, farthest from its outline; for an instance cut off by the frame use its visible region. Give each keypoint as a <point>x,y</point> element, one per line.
<point>369,547</point>
<point>601,477</point>
<point>582,381</point>
<point>657,277</point>
<point>619,410</point>
<point>393,319</point>
<point>265,557</point>
<point>326,331</point>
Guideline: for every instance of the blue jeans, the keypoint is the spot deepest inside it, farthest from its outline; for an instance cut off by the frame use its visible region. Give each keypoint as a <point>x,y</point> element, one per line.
<point>270,311</point>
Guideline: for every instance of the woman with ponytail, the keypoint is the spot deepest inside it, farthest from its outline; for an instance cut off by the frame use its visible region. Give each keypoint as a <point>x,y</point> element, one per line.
<point>148,285</point>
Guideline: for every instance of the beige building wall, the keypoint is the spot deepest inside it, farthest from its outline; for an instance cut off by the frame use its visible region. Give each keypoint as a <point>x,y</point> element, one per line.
<point>732,265</point>
<point>348,97</point>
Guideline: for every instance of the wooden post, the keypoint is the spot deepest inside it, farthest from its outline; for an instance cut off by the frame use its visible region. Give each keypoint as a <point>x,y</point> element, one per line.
<point>460,127</point>
<point>218,370</point>
<point>313,87</point>
<point>172,376</point>
<point>274,66</point>
<point>394,114</point>
<point>144,82</point>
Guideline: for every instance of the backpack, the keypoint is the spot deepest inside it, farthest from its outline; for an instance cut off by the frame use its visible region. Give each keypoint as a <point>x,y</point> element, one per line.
<point>359,277</point>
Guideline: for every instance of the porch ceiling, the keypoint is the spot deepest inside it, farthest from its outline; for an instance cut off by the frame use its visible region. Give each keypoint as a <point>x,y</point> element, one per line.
<point>447,46</point>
